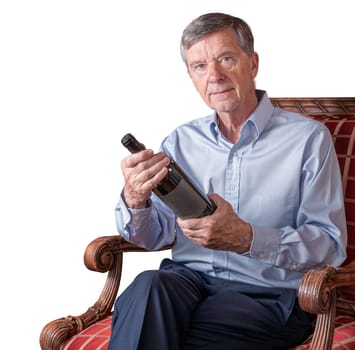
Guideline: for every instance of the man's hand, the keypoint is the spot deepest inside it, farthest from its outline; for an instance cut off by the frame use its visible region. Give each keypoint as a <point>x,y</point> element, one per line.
<point>142,172</point>
<point>223,230</point>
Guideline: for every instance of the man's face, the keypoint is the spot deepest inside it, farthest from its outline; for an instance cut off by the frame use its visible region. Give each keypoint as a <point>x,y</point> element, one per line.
<point>221,71</point>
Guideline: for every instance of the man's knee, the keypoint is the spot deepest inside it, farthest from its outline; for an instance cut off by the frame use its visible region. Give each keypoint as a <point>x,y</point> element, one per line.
<point>151,279</point>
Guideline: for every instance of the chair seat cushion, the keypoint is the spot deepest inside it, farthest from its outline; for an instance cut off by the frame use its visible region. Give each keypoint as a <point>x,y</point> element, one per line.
<point>344,335</point>
<point>96,337</point>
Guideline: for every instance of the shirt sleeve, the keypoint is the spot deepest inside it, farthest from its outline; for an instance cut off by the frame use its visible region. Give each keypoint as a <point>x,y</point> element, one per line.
<point>150,228</point>
<point>319,236</point>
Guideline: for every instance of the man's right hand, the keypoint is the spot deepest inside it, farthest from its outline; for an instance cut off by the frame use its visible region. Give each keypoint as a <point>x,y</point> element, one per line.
<point>142,172</point>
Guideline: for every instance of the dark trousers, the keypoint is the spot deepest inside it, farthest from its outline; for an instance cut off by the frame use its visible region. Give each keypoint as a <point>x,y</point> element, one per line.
<point>178,308</point>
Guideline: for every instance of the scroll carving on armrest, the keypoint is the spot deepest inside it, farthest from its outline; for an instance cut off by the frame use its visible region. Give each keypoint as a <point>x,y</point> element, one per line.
<point>100,253</point>
<point>316,295</point>
<point>323,292</point>
<point>315,288</point>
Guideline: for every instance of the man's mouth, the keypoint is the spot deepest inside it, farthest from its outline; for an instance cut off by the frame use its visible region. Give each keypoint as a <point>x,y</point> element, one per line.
<point>221,93</point>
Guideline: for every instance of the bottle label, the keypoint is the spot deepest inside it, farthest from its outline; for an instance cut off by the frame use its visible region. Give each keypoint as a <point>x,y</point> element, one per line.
<point>185,201</point>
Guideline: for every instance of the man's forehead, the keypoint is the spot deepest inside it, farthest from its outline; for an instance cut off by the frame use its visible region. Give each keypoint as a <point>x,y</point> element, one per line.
<point>214,45</point>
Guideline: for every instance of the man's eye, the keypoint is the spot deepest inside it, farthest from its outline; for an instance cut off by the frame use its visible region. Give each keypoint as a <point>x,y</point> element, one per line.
<point>227,59</point>
<point>200,66</point>
<point>227,62</point>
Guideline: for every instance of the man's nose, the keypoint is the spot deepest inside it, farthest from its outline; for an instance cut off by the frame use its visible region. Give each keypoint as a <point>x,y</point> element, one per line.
<point>215,73</point>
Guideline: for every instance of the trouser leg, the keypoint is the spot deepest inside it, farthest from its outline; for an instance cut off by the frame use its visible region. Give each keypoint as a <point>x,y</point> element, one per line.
<point>154,311</point>
<point>250,319</point>
<point>177,308</point>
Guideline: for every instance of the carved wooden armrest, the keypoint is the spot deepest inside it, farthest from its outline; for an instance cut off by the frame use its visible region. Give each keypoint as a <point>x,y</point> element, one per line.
<point>316,295</point>
<point>104,254</point>
<point>319,294</point>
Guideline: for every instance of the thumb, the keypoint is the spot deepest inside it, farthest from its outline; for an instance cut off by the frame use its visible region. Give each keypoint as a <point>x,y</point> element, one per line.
<point>216,198</point>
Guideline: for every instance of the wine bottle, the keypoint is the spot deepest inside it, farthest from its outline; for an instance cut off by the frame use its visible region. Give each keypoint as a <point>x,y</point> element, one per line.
<point>176,189</point>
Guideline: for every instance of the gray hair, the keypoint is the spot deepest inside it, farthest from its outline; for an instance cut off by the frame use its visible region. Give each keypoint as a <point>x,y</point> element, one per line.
<point>214,22</point>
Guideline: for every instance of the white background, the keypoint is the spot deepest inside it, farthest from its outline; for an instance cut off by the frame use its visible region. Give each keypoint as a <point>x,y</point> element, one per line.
<point>77,75</point>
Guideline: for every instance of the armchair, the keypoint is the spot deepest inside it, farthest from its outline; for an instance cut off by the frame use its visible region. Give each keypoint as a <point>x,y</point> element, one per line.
<point>327,292</point>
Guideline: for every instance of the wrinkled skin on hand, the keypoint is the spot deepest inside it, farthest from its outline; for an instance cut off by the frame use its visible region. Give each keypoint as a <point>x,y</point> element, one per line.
<point>223,230</point>
<point>142,172</point>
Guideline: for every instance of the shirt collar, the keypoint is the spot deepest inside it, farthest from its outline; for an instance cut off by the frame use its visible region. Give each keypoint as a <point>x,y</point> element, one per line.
<point>259,117</point>
<point>263,111</point>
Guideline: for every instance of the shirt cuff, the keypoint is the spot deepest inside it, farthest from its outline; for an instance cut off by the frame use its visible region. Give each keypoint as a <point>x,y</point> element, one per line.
<point>265,244</point>
<point>128,220</point>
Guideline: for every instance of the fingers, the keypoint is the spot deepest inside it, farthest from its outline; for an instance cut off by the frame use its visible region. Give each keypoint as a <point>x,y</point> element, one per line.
<point>194,228</point>
<point>197,232</point>
<point>189,224</point>
<point>142,172</point>
<point>151,172</point>
<point>223,230</point>
<point>147,180</point>
<point>133,159</point>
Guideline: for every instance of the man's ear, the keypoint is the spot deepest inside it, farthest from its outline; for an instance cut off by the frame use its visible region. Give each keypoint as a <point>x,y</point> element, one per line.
<point>254,64</point>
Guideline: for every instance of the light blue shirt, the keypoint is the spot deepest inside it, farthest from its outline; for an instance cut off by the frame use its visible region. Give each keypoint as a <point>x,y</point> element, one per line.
<point>282,177</point>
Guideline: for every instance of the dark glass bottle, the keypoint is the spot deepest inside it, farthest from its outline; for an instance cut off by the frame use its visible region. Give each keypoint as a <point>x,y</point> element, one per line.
<point>176,190</point>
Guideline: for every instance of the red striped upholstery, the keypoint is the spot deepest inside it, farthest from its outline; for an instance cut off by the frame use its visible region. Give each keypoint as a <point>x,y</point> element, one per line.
<point>96,337</point>
<point>344,336</point>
